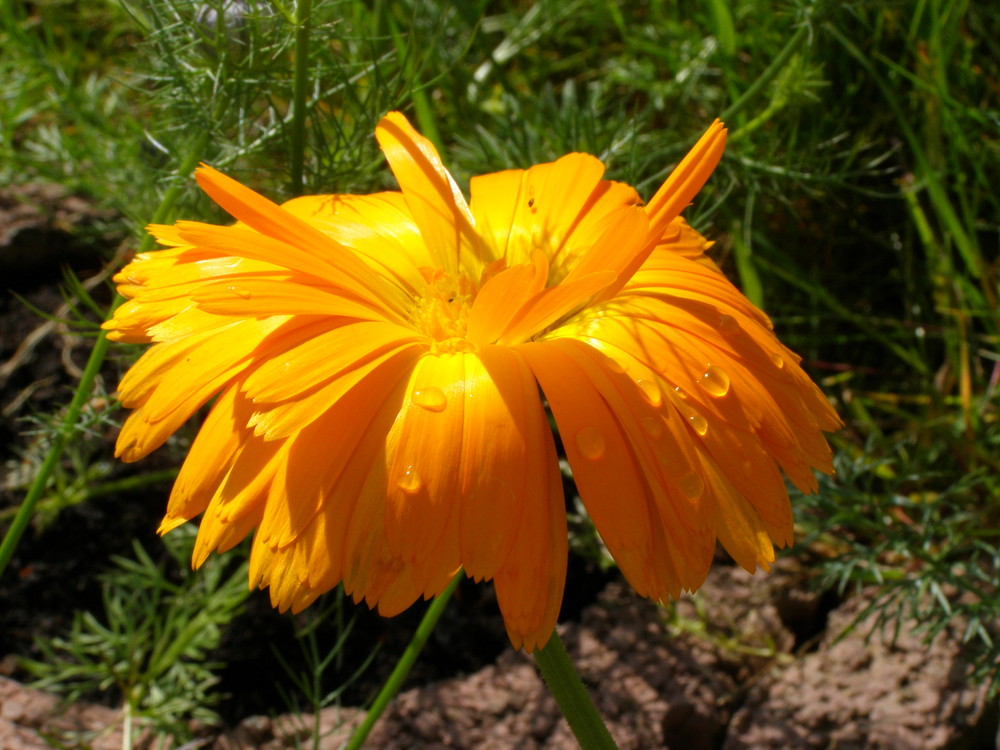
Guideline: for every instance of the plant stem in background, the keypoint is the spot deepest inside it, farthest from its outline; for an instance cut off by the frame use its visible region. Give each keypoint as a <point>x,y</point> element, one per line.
<point>303,11</point>
<point>772,70</point>
<point>405,664</point>
<point>574,702</point>
<point>86,385</point>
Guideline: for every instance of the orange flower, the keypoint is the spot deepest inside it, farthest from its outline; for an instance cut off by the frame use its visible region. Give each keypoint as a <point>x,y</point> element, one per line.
<point>377,362</point>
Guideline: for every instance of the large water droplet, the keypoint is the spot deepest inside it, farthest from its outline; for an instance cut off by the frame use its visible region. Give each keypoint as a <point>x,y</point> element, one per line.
<point>715,381</point>
<point>691,485</point>
<point>409,481</point>
<point>650,391</point>
<point>699,423</point>
<point>614,365</point>
<point>240,291</point>
<point>653,427</point>
<point>432,399</point>
<point>590,442</point>
<point>779,362</point>
<point>727,325</point>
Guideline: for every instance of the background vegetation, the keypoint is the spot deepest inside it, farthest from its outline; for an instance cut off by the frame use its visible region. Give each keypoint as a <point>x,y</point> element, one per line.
<point>856,204</point>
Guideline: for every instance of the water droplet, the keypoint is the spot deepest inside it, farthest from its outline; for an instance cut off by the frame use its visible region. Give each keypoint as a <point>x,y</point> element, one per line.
<point>650,391</point>
<point>699,423</point>
<point>715,381</point>
<point>691,485</point>
<point>432,399</point>
<point>590,442</point>
<point>653,427</point>
<point>239,291</point>
<point>680,392</point>
<point>727,324</point>
<point>409,481</point>
<point>777,359</point>
<point>614,365</point>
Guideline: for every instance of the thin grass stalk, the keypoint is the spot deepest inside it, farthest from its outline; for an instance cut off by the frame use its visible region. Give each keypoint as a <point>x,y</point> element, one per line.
<point>303,18</point>
<point>966,245</point>
<point>86,385</point>
<point>404,665</point>
<point>765,78</point>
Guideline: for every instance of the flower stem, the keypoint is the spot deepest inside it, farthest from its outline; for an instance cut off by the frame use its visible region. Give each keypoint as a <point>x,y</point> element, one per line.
<point>568,690</point>
<point>85,387</point>
<point>405,663</point>
<point>303,13</point>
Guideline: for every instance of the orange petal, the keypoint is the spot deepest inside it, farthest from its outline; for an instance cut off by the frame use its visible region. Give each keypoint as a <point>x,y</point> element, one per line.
<point>630,468</point>
<point>529,584</point>
<point>267,218</point>
<point>504,297</point>
<point>172,380</point>
<point>503,465</point>
<point>208,459</point>
<point>423,449</point>
<point>379,227</point>
<point>687,179</point>
<point>435,202</point>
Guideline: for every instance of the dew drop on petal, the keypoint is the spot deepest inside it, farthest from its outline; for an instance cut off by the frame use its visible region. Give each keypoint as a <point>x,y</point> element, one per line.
<point>779,362</point>
<point>691,485</point>
<point>653,427</point>
<point>727,324</point>
<point>409,482</point>
<point>680,392</point>
<point>715,381</point>
<point>699,423</point>
<point>239,291</point>
<point>614,365</point>
<point>590,442</point>
<point>432,399</point>
<point>650,391</point>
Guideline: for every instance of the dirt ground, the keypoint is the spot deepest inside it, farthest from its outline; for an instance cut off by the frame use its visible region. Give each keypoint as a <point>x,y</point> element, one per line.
<point>728,671</point>
<point>749,662</point>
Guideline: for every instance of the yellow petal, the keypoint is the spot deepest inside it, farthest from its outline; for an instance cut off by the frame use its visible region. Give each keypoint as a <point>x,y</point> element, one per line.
<point>275,224</point>
<point>319,352</point>
<point>172,380</point>
<point>540,213</point>
<point>287,417</point>
<point>434,200</point>
<point>379,227</point>
<point>208,459</point>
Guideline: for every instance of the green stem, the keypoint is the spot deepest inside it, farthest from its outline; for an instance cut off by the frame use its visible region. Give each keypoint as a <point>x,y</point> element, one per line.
<point>790,48</point>
<point>405,664</point>
<point>303,13</point>
<point>86,385</point>
<point>568,690</point>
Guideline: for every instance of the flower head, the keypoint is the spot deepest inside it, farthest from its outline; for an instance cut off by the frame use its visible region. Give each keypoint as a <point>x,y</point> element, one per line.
<point>381,363</point>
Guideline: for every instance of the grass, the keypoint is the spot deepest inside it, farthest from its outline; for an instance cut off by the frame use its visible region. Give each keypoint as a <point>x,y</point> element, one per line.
<point>856,201</point>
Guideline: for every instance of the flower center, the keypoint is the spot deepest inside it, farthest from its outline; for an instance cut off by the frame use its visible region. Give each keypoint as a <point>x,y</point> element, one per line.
<point>442,313</point>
